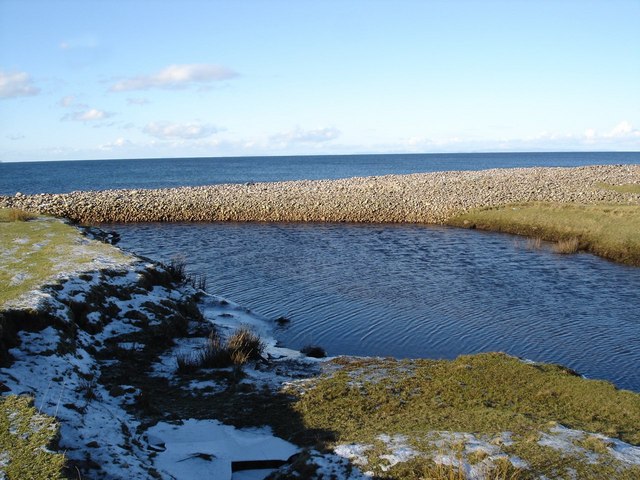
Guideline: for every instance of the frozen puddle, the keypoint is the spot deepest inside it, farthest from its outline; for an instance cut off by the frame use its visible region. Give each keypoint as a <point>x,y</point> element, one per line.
<point>210,449</point>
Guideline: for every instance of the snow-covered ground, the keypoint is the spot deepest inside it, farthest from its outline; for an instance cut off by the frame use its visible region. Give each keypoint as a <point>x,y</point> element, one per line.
<point>98,433</point>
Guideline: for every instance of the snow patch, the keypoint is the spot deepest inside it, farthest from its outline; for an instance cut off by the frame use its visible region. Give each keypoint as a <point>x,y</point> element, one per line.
<point>400,450</point>
<point>354,452</point>
<point>207,448</point>
<point>567,440</point>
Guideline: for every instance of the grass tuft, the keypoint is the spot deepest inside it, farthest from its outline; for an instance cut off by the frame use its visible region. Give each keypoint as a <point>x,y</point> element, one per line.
<point>188,362</point>
<point>534,243</point>
<point>177,269</point>
<point>240,348</point>
<point>15,215</point>
<point>244,344</point>
<point>568,246</point>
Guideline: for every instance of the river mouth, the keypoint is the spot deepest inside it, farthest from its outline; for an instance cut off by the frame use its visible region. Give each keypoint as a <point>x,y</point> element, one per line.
<point>415,291</point>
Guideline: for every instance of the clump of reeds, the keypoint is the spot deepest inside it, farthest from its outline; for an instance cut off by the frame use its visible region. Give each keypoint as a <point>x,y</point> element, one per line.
<point>177,269</point>
<point>214,354</point>
<point>199,282</point>
<point>188,362</point>
<point>15,215</point>
<point>240,348</point>
<point>567,246</point>
<point>244,345</point>
<point>534,243</point>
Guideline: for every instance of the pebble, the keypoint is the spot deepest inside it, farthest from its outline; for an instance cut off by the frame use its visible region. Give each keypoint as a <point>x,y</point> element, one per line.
<point>415,198</point>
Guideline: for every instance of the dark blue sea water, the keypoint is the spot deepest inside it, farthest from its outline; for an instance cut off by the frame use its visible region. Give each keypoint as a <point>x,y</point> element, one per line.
<point>60,177</point>
<point>386,290</point>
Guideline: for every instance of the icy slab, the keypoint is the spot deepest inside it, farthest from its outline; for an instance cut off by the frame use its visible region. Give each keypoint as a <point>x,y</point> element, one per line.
<point>207,448</point>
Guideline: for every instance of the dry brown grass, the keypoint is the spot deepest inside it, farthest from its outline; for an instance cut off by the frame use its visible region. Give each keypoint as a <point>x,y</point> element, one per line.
<point>568,246</point>
<point>534,243</point>
<point>425,469</point>
<point>15,215</point>
<point>240,348</point>
<point>244,345</point>
<point>611,231</point>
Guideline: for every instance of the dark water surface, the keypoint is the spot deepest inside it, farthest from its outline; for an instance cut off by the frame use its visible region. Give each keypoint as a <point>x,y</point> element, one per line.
<point>416,291</point>
<point>60,177</point>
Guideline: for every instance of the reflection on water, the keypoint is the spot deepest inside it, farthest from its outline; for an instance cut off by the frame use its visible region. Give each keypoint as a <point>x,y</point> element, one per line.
<point>416,291</point>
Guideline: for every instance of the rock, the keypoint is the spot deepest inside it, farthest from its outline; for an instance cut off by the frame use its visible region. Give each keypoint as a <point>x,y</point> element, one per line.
<point>416,198</point>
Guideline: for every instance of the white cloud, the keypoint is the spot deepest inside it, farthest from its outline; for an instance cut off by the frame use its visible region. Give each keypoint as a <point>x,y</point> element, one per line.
<point>184,131</point>
<point>86,42</point>
<point>89,115</point>
<point>176,76</point>
<point>17,84</point>
<point>623,129</point>
<point>116,144</point>
<point>298,135</point>
<point>67,101</point>
<point>137,101</point>
<point>623,136</point>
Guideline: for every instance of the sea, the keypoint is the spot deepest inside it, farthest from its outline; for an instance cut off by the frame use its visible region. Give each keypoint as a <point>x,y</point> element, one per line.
<point>405,291</point>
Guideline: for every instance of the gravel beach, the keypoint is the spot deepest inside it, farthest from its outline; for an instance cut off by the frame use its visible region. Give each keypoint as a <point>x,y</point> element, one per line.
<point>415,198</point>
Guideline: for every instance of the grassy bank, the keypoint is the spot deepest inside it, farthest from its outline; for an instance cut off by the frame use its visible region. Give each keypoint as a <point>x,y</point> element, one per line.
<point>33,250</point>
<point>445,407</point>
<point>610,231</point>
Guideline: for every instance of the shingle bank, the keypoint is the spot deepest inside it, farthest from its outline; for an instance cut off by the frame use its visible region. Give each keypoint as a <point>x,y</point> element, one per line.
<point>415,198</point>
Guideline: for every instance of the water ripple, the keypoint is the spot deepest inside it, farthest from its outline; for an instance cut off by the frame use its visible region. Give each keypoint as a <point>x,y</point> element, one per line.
<point>415,291</point>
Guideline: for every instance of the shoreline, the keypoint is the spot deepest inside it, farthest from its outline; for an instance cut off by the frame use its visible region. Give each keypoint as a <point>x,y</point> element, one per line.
<point>427,198</point>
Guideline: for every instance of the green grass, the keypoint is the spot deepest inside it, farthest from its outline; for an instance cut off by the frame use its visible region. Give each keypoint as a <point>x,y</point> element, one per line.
<point>626,188</point>
<point>32,252</point>
<point>611,231</point>
<point>14,215</point>
<point>484,394</point>
<point>25,435</point>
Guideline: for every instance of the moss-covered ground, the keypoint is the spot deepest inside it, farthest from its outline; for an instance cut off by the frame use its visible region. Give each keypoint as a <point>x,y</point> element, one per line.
<point>34,250</point>
<point>484,395</point>
<point>25,435</point>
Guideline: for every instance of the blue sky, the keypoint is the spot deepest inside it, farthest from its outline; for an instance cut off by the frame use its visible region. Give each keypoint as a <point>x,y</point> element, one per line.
<point>158,78</point>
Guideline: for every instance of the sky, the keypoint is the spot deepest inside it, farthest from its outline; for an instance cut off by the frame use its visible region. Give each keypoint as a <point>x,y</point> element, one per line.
<point>97,79</point>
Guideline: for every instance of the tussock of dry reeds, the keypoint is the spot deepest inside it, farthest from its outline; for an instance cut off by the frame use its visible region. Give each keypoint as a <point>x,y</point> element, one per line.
<point>240,348</point>
<point>534,243</point>
<point>15,215</point>
<point>568,246</point>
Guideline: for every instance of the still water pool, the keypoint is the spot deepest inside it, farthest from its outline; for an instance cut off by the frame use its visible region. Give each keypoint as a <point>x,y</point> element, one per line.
<point>416,291</point>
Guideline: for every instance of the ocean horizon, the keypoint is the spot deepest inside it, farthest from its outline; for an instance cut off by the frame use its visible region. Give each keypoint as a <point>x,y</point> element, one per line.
<point>69,175</point>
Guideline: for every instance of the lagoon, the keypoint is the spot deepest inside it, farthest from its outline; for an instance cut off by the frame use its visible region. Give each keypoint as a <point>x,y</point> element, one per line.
<point>416,291</point>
